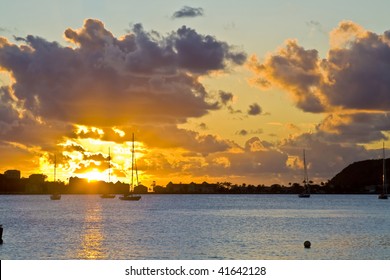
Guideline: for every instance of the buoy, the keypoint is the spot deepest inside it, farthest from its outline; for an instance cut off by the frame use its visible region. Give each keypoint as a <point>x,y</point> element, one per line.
<point>1,234</point>
<point>307,244</point>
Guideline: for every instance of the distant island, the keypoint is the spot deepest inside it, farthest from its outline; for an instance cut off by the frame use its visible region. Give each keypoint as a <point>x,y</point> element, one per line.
<point>363,177</point>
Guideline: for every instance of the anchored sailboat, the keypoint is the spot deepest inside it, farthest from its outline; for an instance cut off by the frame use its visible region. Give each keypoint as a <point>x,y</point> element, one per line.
<point>108,195</point>
<point>384,195</point>
<point>55,195</point>
<point>306,191</point>
<point>130,195</point>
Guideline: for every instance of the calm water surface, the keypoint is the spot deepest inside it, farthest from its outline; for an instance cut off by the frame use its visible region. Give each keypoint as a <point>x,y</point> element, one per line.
<point>195,227</point>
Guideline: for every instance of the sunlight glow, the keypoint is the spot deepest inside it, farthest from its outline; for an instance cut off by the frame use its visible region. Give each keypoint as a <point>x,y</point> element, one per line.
<point>94,175</point>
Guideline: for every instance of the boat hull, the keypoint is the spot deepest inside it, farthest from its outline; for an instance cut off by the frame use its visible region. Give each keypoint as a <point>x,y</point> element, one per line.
<point>130,197</point>
<point>55,197</point>
<point>107,196</point>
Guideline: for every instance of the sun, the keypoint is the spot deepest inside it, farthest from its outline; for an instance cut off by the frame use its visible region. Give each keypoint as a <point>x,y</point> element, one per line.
<point>95,175</point>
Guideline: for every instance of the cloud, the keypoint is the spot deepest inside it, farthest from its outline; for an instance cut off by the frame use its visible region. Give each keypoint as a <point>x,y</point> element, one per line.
<point>187,11</point>
<point>139,77</point>
<point>242,132</point>
<point>172,137</point>
<point>256,162</point>
<point>254,109</point>
<point>315,26</point>
<point>354,127</point>
<point>203,126</point>
<point>351,85</point>
<point>101,88</point>
<point>226,97</point>
<point>321,165</point>
<point>295,70</point>
<point>233,111</point>
<point>8,115</point>
<point>355,74</point>
<point>202,54</point>
<point>245,132</point>
<point>358,74</point>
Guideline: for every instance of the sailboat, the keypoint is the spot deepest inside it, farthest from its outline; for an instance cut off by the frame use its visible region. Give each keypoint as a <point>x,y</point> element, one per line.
<point>55,195</point>
<point>108,195</point>
<point>306,191</point>
<point>383,195</point>
<point>130,196</point>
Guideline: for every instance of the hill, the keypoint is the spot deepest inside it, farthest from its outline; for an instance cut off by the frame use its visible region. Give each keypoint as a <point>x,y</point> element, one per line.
<point>361,177</point>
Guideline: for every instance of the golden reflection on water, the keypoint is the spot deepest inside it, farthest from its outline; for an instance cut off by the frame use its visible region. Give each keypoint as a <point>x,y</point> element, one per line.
<point>92,236</point>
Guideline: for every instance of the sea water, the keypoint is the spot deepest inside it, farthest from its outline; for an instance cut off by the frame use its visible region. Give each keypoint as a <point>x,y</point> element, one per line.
<point>201,227</point>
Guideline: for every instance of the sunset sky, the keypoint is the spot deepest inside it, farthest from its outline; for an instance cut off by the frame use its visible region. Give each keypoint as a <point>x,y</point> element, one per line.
<point>213,90</point>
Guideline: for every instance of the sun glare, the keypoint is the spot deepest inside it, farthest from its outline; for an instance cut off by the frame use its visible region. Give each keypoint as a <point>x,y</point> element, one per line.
<point>95,175</point>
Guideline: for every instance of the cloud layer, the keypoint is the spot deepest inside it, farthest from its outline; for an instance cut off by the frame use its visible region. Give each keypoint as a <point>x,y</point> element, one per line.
<point>139,77</point>
<point>353,76</point>
<point>352,84</point>
<point>99,89</point>
<point>141,81</point>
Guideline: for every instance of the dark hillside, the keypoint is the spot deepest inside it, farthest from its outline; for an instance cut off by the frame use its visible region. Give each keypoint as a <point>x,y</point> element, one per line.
<point>359,176</point>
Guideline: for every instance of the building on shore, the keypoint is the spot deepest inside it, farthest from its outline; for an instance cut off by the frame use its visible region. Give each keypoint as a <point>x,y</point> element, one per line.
<point>12,174</point>
<point>192,188</point>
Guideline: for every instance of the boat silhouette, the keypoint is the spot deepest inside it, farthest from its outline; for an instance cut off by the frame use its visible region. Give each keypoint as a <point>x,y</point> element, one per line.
<point>108,195</point>
<point>384,195</point>
<point>130,196</point>
<point>55,195</point>
<point>306,191</point>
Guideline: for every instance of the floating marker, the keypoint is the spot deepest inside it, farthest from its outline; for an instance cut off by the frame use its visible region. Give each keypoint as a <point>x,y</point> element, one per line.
<point>1,234</point>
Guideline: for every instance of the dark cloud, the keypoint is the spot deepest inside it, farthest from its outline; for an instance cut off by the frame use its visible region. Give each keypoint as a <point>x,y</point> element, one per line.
<point>226,97</point>
<point>295,69</point>
<point>141,82</point>
<point>256,162</point>
<point>355,74</point>
<point>233,111</point>
<point>8,115</point>
<point>202,54</point>
<point>245,132</point>
<point>359,74</point>
<point>19,126</point>
<point>203,126</point>
<point>139,77</point>
<point>171,137</point>
<point>187,11</point>
<point>242,132</point>
<point>353,80</point>
<point>254,109</point>
<point>354,128</point>
<point>321,165</point>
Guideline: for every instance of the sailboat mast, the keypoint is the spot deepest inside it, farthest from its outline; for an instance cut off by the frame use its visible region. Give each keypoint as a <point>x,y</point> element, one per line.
<point>55,167</point>
<point>136,172</point>
<point>109,164</point>
<point>384,170</point>
<point>132,164</point>
<point>305,177</point>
